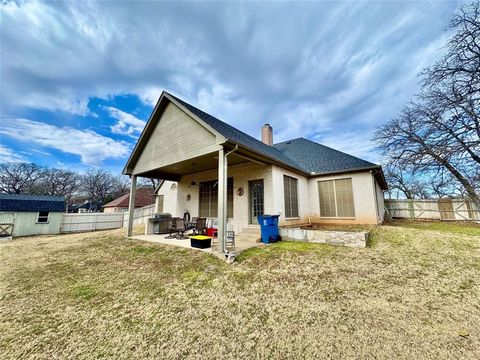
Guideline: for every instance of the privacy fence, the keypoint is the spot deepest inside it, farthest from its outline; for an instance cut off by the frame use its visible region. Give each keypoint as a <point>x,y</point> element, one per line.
<point>90,222</point>
<point>104,221</point>
<point>440,209</point>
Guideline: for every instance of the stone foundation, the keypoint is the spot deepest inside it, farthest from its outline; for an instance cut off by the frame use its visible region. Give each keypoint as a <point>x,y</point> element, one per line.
<point>342,238</point>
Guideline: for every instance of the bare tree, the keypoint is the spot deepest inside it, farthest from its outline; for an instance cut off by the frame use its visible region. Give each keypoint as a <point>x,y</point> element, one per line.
<point>19,178</point>
<point>439,131</point>
<point>98,185</point>
<point>405,182</point>
<point>57,182</point>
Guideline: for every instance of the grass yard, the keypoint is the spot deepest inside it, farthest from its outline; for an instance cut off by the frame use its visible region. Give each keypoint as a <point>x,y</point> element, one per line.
<point>413,294</point>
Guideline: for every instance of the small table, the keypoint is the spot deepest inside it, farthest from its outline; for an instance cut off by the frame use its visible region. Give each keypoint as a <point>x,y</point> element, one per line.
<point>200,241</point>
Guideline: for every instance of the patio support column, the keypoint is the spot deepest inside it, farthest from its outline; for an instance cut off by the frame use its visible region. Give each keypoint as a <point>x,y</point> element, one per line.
<point>131,205</point>
<point>221,200</point>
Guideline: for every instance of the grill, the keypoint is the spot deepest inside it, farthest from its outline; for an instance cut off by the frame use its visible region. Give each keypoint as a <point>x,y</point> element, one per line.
<point>160,223</point>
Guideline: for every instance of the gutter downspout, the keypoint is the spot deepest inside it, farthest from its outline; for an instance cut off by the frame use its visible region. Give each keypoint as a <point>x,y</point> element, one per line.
<point>377,214</point>
<point>224,195</point>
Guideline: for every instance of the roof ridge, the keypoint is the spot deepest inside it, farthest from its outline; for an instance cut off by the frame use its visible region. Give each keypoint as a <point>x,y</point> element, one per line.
<point>232,128</point>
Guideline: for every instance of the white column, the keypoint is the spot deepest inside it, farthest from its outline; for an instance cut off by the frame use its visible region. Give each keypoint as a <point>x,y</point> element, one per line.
<point>221,200</point>
<point>131,205</point>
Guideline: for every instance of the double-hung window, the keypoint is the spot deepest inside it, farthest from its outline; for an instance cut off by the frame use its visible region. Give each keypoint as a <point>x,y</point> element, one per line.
<point>290,193</point>
<point>336,198</point>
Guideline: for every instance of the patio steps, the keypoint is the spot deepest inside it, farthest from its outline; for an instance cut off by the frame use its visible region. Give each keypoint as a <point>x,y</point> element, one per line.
<point>250,234</point>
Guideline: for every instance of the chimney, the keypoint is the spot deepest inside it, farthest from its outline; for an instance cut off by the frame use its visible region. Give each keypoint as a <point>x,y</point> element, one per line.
<point>267,134</point>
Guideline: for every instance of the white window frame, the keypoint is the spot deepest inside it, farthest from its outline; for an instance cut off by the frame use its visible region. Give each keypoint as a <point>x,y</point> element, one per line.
<point>43,222</point>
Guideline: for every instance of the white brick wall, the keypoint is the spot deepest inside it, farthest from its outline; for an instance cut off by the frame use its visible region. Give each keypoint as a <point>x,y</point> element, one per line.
<point>363,198</point>
<point>175,200</point>
<point>242,174</point>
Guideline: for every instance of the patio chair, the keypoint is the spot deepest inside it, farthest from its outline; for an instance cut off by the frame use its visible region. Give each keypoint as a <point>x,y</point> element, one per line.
<point>200,226</point>
<point>180,229</point>
<point>171,227</point>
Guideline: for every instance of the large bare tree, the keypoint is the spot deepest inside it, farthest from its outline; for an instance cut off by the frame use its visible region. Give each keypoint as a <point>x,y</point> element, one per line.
<point>19,178</point>
<point>439,130</point>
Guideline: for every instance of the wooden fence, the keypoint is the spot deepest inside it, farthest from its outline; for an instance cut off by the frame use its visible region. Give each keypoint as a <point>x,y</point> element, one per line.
<point>440,209</point>
<point>90,222</point>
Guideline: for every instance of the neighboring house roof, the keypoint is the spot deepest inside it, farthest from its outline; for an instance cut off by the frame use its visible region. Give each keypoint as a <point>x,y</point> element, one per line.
<point>300,154</point>
<point>31,203</point>
<point>143,197</point>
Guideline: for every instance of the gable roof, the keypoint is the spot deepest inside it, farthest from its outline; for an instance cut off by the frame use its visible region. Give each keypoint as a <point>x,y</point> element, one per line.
<point>31,203</point>
<point>318,159</point>
<point>299,154</point>
<point>236,136</point>
<point>143,197</point>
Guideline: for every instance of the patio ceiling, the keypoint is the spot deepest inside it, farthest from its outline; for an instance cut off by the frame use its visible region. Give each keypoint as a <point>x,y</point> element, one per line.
<point>174,171</point>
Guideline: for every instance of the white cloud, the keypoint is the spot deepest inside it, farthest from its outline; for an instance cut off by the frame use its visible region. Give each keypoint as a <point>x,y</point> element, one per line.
<point>348,66</point>
<point>92,148</point>
<point>8,155</point>
<point>127,123</point>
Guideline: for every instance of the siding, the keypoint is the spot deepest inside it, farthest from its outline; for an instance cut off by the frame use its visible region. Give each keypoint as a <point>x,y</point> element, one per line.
<point>26,224</point>
<point>176,137</point>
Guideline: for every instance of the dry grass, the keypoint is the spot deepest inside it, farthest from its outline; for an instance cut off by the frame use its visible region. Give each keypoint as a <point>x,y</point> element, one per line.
<point>413,294</point>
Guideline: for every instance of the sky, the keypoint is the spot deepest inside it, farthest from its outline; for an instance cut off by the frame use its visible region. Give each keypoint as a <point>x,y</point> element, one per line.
<point>79,79</point>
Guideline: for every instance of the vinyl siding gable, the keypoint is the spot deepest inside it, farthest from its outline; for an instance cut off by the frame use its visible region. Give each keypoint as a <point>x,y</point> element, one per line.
<point>176,137</point>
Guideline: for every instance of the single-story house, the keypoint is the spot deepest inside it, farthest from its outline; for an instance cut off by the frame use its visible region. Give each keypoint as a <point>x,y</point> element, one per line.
<point>32,214</point>
<point>143,197</point>
<point>219,171</point>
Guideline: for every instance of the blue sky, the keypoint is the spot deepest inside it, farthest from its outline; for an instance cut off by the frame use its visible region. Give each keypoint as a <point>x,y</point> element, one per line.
<point>79,79</point>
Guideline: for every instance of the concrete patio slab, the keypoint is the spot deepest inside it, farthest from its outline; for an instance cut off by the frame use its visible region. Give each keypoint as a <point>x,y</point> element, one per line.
<point>185,243</point>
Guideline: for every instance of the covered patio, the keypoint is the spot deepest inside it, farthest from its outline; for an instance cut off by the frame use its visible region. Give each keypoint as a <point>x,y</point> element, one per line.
<point>220,173</point>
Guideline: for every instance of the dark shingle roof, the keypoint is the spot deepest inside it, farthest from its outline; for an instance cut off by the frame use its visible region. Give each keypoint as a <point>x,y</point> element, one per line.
<point>31,203</point>
<point>320,159</point>
<point>238,136</point>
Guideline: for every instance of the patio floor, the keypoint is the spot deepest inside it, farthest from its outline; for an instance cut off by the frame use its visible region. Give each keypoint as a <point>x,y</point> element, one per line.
<point>185,243</point>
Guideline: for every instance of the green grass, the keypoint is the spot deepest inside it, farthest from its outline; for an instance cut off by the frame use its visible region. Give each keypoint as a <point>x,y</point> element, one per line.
<point>413,294</point>
<point>84,291</point>
<point>467,228</point>
<point>280,248</point>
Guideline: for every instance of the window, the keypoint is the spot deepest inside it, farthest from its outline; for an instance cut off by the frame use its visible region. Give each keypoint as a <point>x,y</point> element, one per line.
<point>290,194</point>
<point>208,198</point>
<point>336,198</point>
<point>42,217</point>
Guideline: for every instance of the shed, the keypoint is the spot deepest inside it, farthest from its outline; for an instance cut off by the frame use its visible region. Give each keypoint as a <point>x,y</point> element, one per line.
<point>32,214</point>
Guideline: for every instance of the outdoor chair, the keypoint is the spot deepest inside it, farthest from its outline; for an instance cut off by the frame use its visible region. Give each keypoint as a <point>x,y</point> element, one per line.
<point>180,229</point>
<point>200,226</point>
<point>171,227</point>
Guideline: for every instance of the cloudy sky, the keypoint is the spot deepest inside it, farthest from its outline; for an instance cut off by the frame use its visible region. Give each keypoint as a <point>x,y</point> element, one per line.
<point>79,79</point>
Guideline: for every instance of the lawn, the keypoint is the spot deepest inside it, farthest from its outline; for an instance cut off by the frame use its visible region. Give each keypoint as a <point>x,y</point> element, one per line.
<point>414,293</point>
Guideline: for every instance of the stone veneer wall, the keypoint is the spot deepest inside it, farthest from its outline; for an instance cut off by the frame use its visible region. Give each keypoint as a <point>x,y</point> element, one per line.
<point>342,238</point>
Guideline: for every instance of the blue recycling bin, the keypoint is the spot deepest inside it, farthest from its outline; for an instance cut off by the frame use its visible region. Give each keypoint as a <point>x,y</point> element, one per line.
<point>269,228</point>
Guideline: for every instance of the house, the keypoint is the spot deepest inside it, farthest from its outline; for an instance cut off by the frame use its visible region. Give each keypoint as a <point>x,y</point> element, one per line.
<point>32,214</point>
<point>85,207</point>
<point>143,197</point>
<point>219,171</point>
